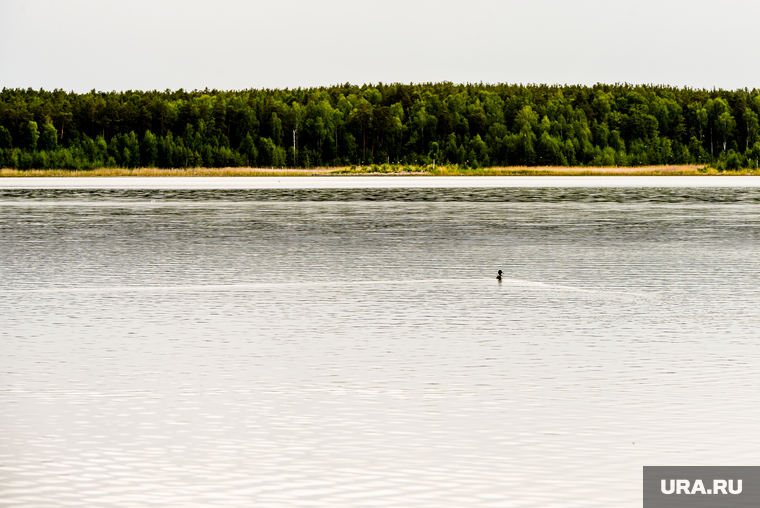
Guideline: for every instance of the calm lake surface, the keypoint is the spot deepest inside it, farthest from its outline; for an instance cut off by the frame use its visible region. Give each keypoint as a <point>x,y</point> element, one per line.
<point>351,347</point>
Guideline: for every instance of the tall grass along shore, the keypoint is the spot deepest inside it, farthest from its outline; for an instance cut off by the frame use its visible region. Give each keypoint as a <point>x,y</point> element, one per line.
<point>384,169</point>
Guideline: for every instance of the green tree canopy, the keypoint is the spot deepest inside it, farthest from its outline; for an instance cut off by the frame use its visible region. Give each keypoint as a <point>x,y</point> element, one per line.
<point>481,124</point>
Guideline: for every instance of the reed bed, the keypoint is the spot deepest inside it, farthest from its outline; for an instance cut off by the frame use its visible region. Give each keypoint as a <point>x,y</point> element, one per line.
<point>576,171</point>
<point>200,172</point>
<point>454,170</point>
<point>384,169</point>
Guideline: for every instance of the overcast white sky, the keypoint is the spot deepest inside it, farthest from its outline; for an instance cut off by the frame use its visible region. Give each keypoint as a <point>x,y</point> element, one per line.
<point>233,44</point>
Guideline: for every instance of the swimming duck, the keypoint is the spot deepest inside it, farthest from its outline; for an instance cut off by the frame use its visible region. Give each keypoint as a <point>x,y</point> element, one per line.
<point>498,277</point>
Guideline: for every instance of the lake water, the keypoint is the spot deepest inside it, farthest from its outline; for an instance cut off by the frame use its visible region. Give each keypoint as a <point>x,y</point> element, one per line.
<point>350,347</point>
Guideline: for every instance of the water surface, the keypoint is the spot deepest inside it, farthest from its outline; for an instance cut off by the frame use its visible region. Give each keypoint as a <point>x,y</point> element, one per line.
<point>333,348</point>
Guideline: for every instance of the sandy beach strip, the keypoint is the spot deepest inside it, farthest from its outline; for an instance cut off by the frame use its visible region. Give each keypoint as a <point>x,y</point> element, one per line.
<point>381,182</point>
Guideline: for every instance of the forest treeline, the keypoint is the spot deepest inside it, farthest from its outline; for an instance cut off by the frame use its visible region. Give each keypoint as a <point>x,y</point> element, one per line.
<point>473,125</point>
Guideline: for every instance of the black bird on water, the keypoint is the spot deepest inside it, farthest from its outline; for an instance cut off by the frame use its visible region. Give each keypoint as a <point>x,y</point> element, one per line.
<point>498,277</point>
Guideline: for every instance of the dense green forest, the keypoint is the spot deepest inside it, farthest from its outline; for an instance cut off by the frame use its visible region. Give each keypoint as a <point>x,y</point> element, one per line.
<point>473,125</point>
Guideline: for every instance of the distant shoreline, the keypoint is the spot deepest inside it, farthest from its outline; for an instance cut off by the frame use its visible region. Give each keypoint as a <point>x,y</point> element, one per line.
<point>379,170</point>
